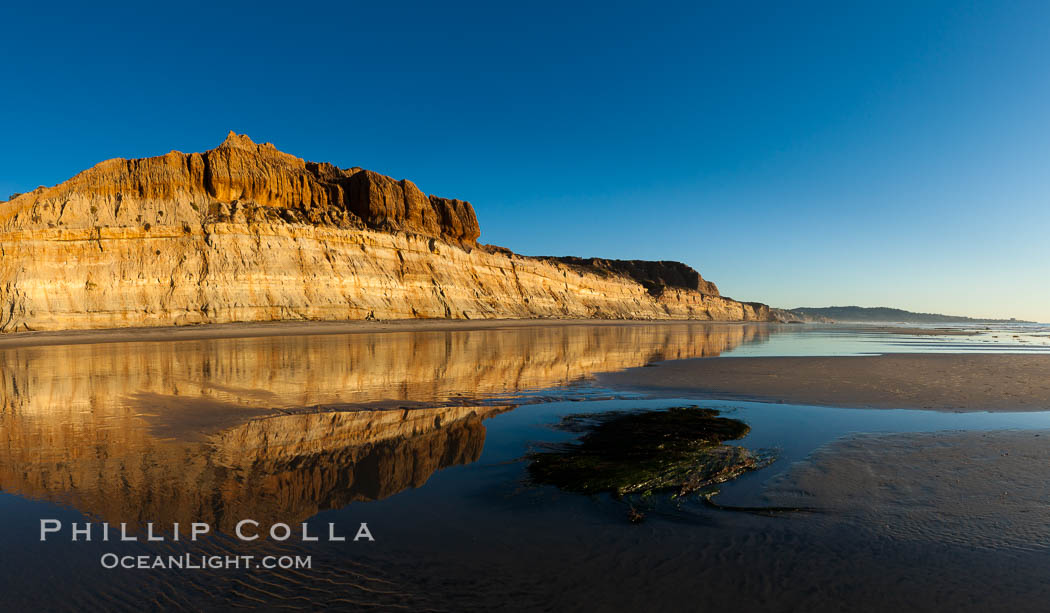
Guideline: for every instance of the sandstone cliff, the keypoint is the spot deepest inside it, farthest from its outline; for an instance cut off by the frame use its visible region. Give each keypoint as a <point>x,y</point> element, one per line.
<point>245,232</point>
<point>656,277</point>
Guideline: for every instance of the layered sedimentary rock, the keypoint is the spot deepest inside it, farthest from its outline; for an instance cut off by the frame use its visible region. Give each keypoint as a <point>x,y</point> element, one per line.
<point>245,232</point>
<point>654,276</point>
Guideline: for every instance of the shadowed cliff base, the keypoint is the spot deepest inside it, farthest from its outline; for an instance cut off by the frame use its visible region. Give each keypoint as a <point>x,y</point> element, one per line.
<point>245,233</point>
<point>972,382</point>
<point>654,276</point>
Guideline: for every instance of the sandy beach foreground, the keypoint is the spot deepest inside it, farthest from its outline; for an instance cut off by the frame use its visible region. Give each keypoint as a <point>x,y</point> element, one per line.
<point>960,382</point>
<point>981,490</point>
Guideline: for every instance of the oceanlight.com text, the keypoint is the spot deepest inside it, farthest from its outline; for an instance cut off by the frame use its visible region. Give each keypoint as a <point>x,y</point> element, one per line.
<point>204,562</point>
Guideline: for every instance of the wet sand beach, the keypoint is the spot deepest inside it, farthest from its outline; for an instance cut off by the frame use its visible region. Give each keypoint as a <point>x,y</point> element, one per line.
<point>955,382</point>
<point>981,490</point>
<point>373,422</point>
<point>314,328</point>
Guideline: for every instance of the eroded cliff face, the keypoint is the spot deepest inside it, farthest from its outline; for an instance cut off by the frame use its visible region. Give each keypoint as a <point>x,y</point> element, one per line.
<point>239,182</point>
<point>656,277</point>
<point>245,232</point>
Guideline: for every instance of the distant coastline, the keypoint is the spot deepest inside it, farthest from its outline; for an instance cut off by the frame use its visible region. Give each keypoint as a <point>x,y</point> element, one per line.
<point>850,314</point>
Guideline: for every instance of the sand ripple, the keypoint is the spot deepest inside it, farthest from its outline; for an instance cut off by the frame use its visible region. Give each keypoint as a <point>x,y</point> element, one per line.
<point>982,490</point>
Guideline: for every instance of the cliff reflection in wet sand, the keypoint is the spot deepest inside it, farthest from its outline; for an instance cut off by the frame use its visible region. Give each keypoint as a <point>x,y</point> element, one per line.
<point>219,430</point>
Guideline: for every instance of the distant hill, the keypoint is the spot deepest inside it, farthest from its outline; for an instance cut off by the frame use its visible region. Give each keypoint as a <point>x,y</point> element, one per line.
<point>885,314</point>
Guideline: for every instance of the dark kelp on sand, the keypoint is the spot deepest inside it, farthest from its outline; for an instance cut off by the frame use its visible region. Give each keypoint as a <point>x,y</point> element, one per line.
<point>680,450</point>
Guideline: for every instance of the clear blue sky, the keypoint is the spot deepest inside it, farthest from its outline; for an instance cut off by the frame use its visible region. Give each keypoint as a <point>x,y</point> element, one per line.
<point>800,154</point>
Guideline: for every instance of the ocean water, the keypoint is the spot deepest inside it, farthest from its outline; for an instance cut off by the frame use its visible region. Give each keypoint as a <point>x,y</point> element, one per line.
<point>421,437</point>
<point>870,339</point>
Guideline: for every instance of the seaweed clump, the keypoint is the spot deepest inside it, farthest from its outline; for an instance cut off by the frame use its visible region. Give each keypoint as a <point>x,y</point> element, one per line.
<point>640,452</point>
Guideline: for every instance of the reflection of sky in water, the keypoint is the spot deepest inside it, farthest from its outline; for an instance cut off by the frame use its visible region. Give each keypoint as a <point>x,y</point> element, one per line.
<point>821,340</point>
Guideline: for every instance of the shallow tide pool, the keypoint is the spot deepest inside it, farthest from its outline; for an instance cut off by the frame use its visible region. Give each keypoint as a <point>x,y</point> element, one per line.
<point>421,436</point>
